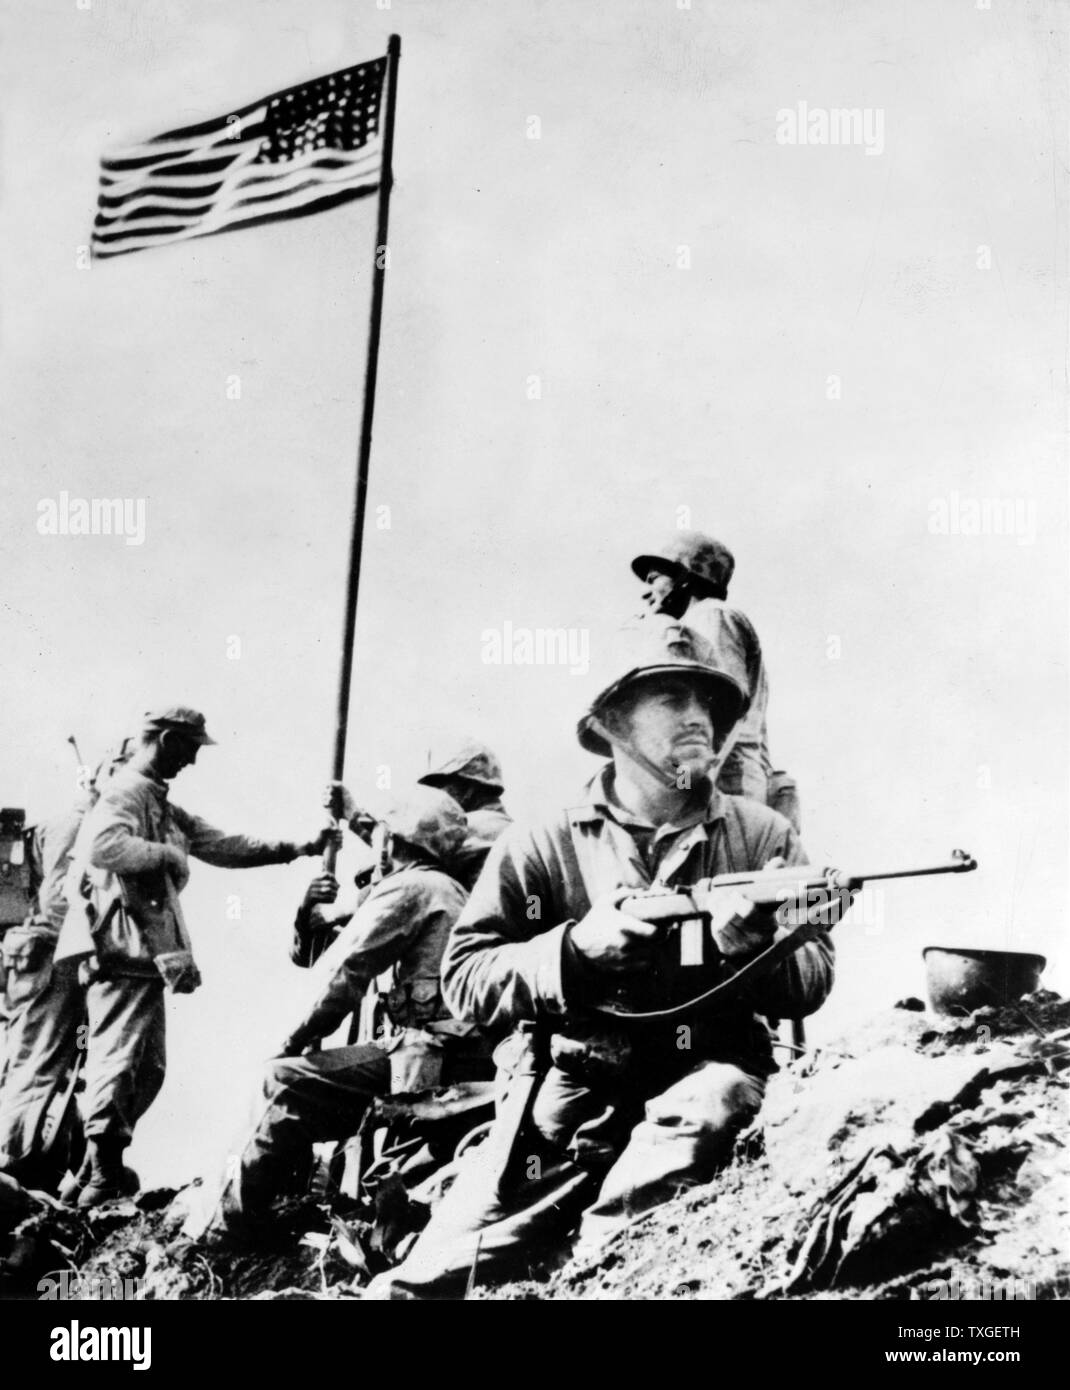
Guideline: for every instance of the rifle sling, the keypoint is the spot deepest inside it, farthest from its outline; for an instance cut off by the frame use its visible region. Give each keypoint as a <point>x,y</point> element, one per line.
<point>756,969</point>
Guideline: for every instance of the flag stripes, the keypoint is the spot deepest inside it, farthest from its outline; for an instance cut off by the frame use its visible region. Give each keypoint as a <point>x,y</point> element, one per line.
<point>301,151</point>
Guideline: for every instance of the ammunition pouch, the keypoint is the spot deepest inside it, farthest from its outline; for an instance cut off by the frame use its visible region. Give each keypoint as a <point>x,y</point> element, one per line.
<point>414,1003</point>
<point>25,963</point>
<point>134,927</point>
<point>415,1060</point>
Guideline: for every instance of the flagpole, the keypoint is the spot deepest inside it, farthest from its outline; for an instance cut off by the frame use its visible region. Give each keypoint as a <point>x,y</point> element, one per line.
<point>360,499</point>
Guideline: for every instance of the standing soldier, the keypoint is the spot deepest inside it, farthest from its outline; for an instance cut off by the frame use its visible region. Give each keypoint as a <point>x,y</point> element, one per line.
<point>603,1119</point>
<point>46,1008</point>
<point>688,579</point>
<point>20,878</point>
<point>125,924</point>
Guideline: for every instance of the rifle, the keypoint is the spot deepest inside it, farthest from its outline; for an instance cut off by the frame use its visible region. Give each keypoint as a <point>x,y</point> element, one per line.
<point>806,900</point>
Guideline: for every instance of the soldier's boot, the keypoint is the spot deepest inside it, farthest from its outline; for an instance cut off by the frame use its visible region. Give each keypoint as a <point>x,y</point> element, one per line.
<point>73,1183</point>
<point>109,1178</point>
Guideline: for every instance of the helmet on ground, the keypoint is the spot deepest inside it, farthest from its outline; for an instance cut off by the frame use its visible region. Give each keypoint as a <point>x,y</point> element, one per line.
<point>659,646</point>
<point>707,563</point>
<point>468,761</point>
<point>429,820</point>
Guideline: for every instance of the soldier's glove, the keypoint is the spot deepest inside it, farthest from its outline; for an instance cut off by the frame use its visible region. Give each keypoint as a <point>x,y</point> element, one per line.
<point>614,941</point>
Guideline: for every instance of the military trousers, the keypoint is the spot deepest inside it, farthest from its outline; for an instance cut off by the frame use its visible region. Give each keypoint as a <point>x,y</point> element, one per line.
<point>505,1222</point>
<point>46,1011</point>
<point>302,1101</point>
<point>126,1057</point>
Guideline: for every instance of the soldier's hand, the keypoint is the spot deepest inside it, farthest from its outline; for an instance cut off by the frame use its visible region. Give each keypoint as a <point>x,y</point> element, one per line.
<point>322,889</point>
<point>175,863</point>
<point>329,835</point>
<point>837,901</point>
<point>339,802</point>
<point>739,927</point>
<point>612,940</point>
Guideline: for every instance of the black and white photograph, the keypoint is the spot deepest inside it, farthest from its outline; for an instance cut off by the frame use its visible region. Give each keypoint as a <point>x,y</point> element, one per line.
<point>534,622</point>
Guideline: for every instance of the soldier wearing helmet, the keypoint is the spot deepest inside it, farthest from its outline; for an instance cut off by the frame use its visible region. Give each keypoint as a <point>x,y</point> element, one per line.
<point>395,940</point>
<point>602,1119</point>
<point>471,773</point>
<point>687,577</point>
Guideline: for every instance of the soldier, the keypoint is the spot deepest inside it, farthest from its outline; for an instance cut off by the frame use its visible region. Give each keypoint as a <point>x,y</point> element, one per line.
<point>398,935</point>
<point>125,925</point>
<point>46,1008</point>
<point>472,775</point>
<point>618,1116</point>
<point>688,579</point>
<point>20,878</point>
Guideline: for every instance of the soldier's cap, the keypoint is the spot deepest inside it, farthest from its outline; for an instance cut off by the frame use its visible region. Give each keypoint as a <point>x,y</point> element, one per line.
<point>431,821</point>
<point>179,717</point>
<point>694,555</point>
<point>662,646</point>
<point>469,761</point>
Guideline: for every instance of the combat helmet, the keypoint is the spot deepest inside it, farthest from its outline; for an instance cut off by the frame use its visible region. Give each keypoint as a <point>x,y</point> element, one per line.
<point>429,820</point>
<point>470,762</point>
<point>707,563</point>
<point>655,646</point>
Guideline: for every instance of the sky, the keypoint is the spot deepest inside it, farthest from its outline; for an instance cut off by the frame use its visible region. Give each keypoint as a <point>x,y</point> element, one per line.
<point>616,303</point>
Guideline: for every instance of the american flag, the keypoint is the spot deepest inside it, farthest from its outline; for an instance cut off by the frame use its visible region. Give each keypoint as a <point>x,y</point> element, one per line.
<point>298,152</point>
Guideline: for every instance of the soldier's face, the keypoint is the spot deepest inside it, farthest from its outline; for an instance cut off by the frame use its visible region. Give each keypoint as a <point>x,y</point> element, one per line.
<point>179,751</point>
<point>668,720</point>
<point>665,594</point>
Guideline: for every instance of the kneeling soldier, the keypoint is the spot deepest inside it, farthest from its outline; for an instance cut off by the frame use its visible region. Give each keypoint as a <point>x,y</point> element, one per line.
<point>604,1118</point>
<point>395,938</point>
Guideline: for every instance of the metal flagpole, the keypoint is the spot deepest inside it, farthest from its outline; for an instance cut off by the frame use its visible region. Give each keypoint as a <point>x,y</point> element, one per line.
<point>356,538</point>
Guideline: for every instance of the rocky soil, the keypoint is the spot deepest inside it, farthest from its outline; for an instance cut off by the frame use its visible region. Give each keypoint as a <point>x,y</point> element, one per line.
<point>913,1159</point>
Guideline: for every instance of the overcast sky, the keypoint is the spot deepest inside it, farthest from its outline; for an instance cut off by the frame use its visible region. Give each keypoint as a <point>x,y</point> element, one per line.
<point>813,352</point>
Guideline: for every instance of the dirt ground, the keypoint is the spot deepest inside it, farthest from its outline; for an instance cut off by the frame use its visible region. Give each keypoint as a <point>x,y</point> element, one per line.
<point>912,1159</point>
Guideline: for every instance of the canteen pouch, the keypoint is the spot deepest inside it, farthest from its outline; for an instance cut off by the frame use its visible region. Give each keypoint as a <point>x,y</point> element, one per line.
<point>25,963</point>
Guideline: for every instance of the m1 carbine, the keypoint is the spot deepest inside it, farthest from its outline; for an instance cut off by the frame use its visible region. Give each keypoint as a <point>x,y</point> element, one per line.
<point>802,899</point>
